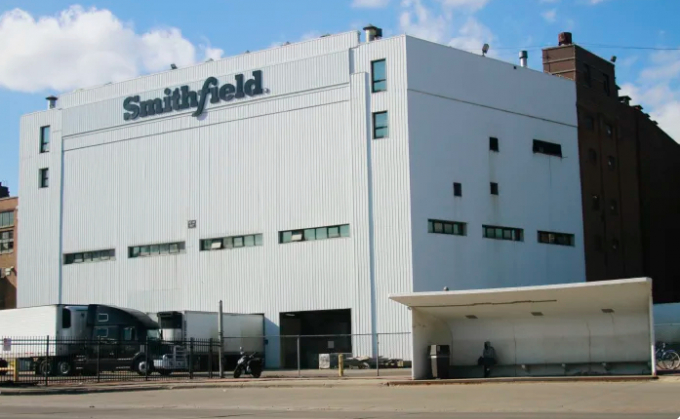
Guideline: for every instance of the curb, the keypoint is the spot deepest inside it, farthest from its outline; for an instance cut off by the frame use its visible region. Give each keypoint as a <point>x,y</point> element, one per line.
<point>310,383</point>
<point>519,380</point>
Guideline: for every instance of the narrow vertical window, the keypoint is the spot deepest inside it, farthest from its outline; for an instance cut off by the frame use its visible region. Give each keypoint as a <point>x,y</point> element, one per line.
<point>494,188</point>
<point>457,189</point>
<point>378,76</point>
<point>586,75</point>
<point>596,203</point>
<point>592,156</point>
<point>606,84</point>
<point>493,143</point>
<point>44,139</point>
<point>380,125</point>
<point>44,178</point>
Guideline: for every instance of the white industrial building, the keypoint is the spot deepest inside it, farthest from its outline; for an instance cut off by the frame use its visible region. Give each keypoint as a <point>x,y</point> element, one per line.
<point>321,175</point>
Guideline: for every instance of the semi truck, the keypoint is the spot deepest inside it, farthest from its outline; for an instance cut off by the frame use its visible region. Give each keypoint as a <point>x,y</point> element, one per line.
<point>241,332</point>
<point>64,339</point>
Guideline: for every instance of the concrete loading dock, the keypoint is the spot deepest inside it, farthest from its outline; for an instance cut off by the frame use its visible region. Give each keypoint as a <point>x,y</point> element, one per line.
<point>571,329</point>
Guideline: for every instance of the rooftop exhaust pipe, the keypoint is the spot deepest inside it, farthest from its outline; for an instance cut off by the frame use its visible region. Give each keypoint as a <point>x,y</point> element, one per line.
<point>564,38</point>
<point>51,102</point>
<point>523,57</point>
<point>372,33</point>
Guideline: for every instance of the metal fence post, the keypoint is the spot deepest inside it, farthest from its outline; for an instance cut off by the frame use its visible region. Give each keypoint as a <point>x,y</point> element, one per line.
<point>99,351</point>
<point>191,358</point>
<point>146,359</point>
<point>47,360</point>
<point>210,358</point>
<point>377,351</point>
<point>220,332</point>
<point>298,356</point>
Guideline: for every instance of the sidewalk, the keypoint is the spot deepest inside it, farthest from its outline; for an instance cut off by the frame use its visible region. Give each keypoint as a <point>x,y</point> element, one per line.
<point>301,383</point>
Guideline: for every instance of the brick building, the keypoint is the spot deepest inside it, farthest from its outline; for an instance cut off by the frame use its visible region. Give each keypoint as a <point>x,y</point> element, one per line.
<point>630,176</point>
<point>8,225</point>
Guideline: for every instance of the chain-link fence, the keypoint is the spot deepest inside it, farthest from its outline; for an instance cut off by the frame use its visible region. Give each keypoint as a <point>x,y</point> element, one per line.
<point>46,361</point>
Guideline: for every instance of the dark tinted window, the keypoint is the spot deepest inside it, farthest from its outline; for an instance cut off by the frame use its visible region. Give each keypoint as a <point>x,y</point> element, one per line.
<point>65,318</point>
<point>457,189</point>
<point>493,143</point>
<point>545,147</point>
<point>494,188</point>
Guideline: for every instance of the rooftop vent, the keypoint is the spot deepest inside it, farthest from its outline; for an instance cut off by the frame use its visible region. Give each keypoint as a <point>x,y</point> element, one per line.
<point>564,38</point>
<point>608,310</point>
<point>537,314</point>
<point>51,102</point>
<point>471,317</point>
<point>625,100</point>
<point>523,57</point>
<point>372,33</point>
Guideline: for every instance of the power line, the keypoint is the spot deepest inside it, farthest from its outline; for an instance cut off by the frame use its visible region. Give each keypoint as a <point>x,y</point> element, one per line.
<point>629,47</point>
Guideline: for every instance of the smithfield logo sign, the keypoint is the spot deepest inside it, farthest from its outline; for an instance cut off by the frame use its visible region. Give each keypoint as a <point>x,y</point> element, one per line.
<point>182,98</point>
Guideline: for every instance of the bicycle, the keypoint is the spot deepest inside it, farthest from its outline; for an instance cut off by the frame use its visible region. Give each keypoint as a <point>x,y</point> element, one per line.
<point>666,359</point>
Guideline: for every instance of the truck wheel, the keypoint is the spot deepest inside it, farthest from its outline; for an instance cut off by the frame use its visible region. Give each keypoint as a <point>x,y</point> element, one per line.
<point>165,372</point>
<point>64,368</point>
<point>140,366</point>
<point>3,364</point>
<point>237,372</point>
<point>44,367</point>
<point>257,373</point>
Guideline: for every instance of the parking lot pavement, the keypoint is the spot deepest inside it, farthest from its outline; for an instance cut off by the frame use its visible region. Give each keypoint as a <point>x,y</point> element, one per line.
<point>531,400</point>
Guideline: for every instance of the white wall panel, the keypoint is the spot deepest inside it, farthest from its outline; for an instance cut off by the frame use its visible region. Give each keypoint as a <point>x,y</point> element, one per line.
<point>449,140</point>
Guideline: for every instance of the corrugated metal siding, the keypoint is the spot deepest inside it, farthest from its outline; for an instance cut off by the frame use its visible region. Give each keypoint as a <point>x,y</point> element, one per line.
<point>454,108</point>
<point>38,259</point>
<point>294,52</point>
<point>390,184</point>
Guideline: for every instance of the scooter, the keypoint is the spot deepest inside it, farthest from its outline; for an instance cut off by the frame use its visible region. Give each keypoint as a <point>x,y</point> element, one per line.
<point>248,364</point>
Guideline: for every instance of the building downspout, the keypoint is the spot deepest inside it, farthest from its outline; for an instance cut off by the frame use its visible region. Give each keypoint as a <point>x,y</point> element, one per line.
<point>652,336</point>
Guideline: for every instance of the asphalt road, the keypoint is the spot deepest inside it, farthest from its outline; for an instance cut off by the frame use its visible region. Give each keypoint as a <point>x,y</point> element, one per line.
<point>526,400</point>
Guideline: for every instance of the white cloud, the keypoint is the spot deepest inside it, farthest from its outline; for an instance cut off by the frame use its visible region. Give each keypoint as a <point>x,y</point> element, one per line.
<point>84,47</point>
<point>550,15</point>
<point>472,5</point>
<point>658,90</point>
<point>370,4</point>
<point>465,33</point>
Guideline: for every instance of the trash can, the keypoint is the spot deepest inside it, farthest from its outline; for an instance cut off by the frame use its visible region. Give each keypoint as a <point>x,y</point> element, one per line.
<point>439,359</point>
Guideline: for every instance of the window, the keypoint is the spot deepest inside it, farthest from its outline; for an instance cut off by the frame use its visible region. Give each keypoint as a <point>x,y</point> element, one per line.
<point>96,256</point>
<point>312,234</point>
<point>592,156</point>
<point>155,249</point>
<point>615,244</point>
<point>588,122</point>
<point>453,228</point>
<point>598,243</point>
<point>6,219</point>
<point>503,233</point>
<point>611,162</point>
<point>380,129</point>
<point>549,237</point>
<point>231,242</point>
<point>129,334</point>
<point>44,139</point>
<point>596,203</point>
<point>102,317</point>
<point>605,78</point>
<point>545,147</point>
<point>608,130</point>
<point>614,207</point>
<point>101,332</point>
<point>494,188</point>
<point>7,241</point>
<point>587,75</point>
<point>65,318</point>
<point>44,178</point>
<point>457,189</point>
<point>493,143</point>
<point>378,76</point>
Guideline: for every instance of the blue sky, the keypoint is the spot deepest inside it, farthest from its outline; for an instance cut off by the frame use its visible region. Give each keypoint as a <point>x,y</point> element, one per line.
<point>48,47</point>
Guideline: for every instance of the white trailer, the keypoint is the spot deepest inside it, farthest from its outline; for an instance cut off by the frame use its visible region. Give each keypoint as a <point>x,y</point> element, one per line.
<point>241,331</point>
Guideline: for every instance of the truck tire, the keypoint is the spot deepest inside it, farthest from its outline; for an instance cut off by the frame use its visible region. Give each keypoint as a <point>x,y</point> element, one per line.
<point>3,364</point>
<point>165,373</point>
<point>44,367</point>
<point>139,365</point>
<point>64,368</point>
<point>237,372</point>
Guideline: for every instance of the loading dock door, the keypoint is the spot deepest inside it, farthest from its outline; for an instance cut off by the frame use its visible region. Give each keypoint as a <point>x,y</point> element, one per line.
<point>319,332</point>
